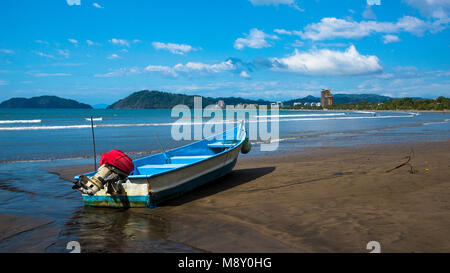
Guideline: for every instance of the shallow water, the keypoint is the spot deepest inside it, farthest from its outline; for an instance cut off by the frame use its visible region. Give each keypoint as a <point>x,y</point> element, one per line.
<point>63,137</point>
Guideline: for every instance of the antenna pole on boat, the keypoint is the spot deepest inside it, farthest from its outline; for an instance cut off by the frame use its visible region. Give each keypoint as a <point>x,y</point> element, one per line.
<point>93,142</point>
<point>162,148</point>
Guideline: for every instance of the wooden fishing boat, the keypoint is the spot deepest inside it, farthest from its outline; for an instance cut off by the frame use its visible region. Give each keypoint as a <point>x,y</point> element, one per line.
<point>166,175</point>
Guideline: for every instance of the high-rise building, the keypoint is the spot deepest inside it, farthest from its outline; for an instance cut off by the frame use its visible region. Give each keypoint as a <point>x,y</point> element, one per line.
<point>326,98</point>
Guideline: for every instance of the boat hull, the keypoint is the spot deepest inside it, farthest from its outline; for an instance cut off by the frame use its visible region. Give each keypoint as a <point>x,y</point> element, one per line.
<point>153,190</point>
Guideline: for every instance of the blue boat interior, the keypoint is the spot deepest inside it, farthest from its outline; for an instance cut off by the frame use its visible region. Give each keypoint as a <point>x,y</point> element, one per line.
<point>185,155</point>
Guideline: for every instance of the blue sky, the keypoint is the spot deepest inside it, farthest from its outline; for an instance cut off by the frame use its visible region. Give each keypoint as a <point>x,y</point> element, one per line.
<point>100,51</point>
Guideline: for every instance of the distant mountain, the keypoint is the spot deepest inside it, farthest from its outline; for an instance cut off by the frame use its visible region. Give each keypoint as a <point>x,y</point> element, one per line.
<point>43,102</point>
<point>156,100</point>
<point>344,99</point>
<point>302,100</point>
<point>236,100</point>
<point>356,98</point>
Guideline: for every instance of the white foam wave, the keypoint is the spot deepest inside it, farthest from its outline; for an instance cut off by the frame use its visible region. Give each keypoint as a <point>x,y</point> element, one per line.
<point>94,119</point>
<point>20,121</point>
<point>301,115</point>
<point>62,127</point>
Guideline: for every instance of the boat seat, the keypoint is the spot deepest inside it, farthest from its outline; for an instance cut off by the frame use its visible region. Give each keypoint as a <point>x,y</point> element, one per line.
<point>188,159</point>
<point>159,168</point>
<point>221,144</point>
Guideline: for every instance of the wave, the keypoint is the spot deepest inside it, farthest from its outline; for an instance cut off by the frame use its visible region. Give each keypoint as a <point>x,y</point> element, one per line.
<point>62,127</point>
<point>437,122</point>
<point>20,121</point>
<point>365,112</point>
<point>302,115</point>
<point>94,119</point>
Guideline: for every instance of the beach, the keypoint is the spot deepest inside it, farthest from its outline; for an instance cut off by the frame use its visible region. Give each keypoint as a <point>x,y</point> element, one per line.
<point>323,199</point>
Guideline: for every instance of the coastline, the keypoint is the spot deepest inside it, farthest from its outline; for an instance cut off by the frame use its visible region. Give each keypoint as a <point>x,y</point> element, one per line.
<point>326,199</point>
<point>349,110</point>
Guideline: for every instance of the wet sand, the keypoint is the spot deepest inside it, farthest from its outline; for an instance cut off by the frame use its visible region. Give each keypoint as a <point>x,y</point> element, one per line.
<point>330,199</point>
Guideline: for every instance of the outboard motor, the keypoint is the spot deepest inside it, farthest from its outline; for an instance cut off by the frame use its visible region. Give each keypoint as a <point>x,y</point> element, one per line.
<point>115,166</point>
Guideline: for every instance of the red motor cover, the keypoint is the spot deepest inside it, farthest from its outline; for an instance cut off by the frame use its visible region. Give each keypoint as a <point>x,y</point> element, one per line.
<point>119,160</point>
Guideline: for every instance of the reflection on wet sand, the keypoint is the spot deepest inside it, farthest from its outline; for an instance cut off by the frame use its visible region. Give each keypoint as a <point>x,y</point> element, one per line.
<point>120,230</point>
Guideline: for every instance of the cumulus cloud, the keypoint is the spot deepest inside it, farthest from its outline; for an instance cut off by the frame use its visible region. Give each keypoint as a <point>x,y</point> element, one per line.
<point>431,8</point>
<point>255,39</point>
<point>388,38</point>
<point>73,41</point>
<point>73,2</point>
<point>244,74</point>
<point>275,3</point>
<point>283,31</point>
<point>179,49</point>
<point>121,42</point>
<point>328,62</point>
<point>331,28</point>
<point>97,5</point>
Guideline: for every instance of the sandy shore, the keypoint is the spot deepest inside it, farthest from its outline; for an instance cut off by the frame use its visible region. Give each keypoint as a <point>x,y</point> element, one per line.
<point>333,199</point>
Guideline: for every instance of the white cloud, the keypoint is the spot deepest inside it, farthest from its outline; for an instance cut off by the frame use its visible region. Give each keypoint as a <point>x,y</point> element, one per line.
<point>283,31</point>
<point>51,74</point>
<point>275,3</point>
<point>73,41</point>
<point>91,43</point>
<point>255,39</point>
<point>332,28</point>
<point>180,49</point>
<point>328,62</point>
<point>244,74</point>
<point>97,5</point>
<point>73,2</point>
<point>431,8</point>
<point>297,43</point>
<point>42,42</point>
<point>176,70</point>
<point>121,42</point>
<point>2,82</point>
<point>45,55</point>
<point>113,57</point>
<point>7,51</point>
<point>388,38</point>
<point>63,52</point>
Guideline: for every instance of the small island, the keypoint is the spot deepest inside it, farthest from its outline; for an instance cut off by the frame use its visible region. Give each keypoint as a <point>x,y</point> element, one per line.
<point>43,102</point>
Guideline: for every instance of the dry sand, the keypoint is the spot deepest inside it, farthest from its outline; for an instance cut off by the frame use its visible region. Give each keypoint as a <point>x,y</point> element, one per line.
<point>333,199</point>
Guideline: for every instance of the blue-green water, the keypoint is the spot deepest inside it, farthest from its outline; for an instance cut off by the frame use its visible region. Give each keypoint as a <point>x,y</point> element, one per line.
<point>32,141</point>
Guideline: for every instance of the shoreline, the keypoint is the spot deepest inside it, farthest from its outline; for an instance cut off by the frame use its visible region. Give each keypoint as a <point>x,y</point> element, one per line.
<point>324,199</point>
<point>395,111</point>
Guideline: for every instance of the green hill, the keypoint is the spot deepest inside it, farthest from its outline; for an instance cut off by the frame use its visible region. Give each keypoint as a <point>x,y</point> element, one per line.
<point>155,100</point>
<point>43,102</point>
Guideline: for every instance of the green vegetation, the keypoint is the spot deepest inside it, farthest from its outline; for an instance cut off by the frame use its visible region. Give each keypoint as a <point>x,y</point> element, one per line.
<point>43,102</point>
<point>438,104</point>
<point>159,100</point>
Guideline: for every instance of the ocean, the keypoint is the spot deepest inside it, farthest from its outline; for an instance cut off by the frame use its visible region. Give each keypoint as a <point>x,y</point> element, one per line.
<point>34,141</point>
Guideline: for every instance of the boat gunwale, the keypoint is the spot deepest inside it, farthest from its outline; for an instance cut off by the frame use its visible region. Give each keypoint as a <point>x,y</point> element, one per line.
<point>238,144</point>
